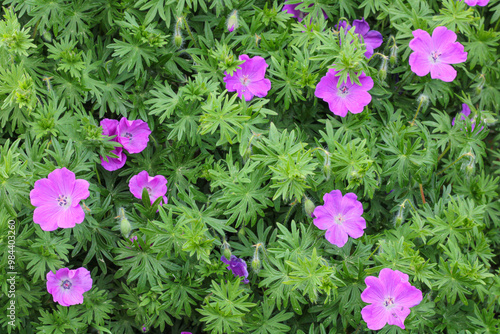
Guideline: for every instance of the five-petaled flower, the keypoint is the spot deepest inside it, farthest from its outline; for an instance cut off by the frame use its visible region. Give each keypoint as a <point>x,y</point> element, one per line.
<point>390,297</point>
<point>371,38</point>
<point>57,200</point>
<point>237,266</point>
<point>340,216</point>
<point>133,135</point>
<point>67,286</point>
<point>156,186</point>
<point>435,54</point>
<point>465,114</point>
<point>110,128</point>
<point>348,97</point>
<point>249,80</point>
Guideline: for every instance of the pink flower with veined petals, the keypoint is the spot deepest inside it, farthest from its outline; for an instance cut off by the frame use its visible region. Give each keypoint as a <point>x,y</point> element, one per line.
<point>436,54</point>
<point>155,186</point>
<point>133,135</point>
<point>390,296</point>
<point>473,3</point>
<point>249,81</point>
<point>57,200</point>
<point>67,286</point>
<point>348,97</point>
<point>340,216</point>
<point>110,128</point>
<point>371,38</point>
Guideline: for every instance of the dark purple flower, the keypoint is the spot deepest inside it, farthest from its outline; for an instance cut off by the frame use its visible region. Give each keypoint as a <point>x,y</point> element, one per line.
<point>435,54</point>
<point>249,81</point>
<point>237,266</point>
<point>465,114</point>
<point>110,128</point>
<point>299,15</point>
<point>348,97</point>
<point>371,38</point>
<point>133,135</point>
<point>390,296</point>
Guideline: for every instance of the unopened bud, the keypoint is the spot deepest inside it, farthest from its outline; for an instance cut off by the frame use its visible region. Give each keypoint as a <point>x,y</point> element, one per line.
<point>393,57</point>
<point>424,100</point>
<point>226,250</point>
<point>178,37</point>
<point>256,264</point>
<point>309,206</point>
<point>327,170</point>
<point>232,21</point>
<point>382,73</point>
<point>125,227</point>
<point>399,217</point>
<point>469,170</point>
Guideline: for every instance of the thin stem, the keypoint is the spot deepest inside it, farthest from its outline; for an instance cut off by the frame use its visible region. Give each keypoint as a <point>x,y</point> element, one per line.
<point>444,152</point>
<point>422,192</point>
<point>412,123</point>
<point>190,33</point>
<point>454,162</point>
<point>373,252</point>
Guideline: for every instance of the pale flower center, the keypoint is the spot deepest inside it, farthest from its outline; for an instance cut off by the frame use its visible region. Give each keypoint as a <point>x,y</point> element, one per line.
<point>148,190</point>
<point>435,56</point>
<point>244,80</point>
<point>339,219</point>
<point>63,201</point>
<point>128,135</point>
<point>389,302</point>
<point>66,284</point>
<point>343,91</point>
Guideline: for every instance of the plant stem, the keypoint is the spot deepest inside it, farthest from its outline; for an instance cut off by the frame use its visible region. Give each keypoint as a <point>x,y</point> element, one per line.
<point>454,162</point>
<point>373,252</point>
<point>444,152</point>
<point>422,192</point>
<point>412,123</point>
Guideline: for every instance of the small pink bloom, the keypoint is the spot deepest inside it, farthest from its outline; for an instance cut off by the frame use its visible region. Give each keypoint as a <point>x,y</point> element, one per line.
<point>110,128</point>
<point>465,114</point>
<point>57,200</point>
<point>473,3</point>
<point>133,135</point>
<point>371,38</point>
<point>348,97</point>
<point>67,286</point>
<point>340,216</point>
<point>390,297</point>
<point>249,81</point>
<point>155,186</point>
<point>436,54</point>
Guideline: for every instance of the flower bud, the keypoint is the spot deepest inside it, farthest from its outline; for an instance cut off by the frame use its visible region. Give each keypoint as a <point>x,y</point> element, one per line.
<point>125,227</point>
<point>424,99</point>
<point>394,55</point>
<point>178,37</point>
<point>232,21</point>
<point>256,264</point>
<point>226,250</point>
<point>309,206</point>
<point>382,73</point>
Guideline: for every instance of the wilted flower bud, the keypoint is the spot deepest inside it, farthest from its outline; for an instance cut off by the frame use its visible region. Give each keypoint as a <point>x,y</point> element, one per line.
<point>309,206</point>
<point>232,21</point>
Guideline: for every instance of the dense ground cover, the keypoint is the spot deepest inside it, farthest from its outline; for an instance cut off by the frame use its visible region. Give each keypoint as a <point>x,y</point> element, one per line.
<point>249,166</point>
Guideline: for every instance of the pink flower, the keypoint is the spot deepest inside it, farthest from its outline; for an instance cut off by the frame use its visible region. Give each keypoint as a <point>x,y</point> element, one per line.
<point>371,38</point>
<point>481,3</point>
<point>435,54</point>
<point>249,81</point>
<point>67,286</point>
<point>110,128</point>
<point>348,97</point>
<point>340,216</point>
<point>133,135</point>
<point>465,114</point>
<point>57,200</point>
<point>391,297</point>
<point>156,186</point>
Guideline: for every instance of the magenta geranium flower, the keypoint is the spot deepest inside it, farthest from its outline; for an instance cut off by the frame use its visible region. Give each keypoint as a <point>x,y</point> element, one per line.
<point>340,216</point>
<point>110,128</point>
<point>237,266</point>
<point>299,15</point>
<point>436,54</point>
<point>249,81</point>
<point>57,200</point>
<point>371,38</point>
<point>133,135</point>
<point>481,3</point>
<point>348,97</point>
<point>390,297</point>
<point>67,286</point>
<point>156,186</point>
<point>465,114</point>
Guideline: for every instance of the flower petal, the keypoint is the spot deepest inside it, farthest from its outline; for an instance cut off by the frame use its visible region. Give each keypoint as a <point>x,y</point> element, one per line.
<point>420,63</point>
<point>375,316</point>
<point>453,54</point>
<point>336,235</point>
<point>260,88</point>
<point>441,38</point>
<point>63,179</point>
<point>374,292</point>
<point>422,42</point>
<point>444,72</point>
